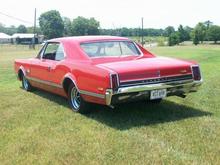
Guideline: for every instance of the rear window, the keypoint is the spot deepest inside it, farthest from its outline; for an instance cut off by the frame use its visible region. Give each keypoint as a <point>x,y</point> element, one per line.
<point>110,48</point>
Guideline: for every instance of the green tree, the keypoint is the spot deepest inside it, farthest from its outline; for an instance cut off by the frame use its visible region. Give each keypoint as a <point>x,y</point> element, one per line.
<point>22,29</point>
<point>214,33</point>
<point>51,24</point>
<point>84,26</point>
<point>125,31</point>
<point>181,32</point>
<point>93,28</point>
<point>200,32</point>
<point>194,36</point>
<point>67,26</point>
<point>37,30</point>
<point>174,39</point>
<point>184,33</point>
<point>188,31</point>
<point>8,30</point>
<point>168,31</point>
<point>208,24</point>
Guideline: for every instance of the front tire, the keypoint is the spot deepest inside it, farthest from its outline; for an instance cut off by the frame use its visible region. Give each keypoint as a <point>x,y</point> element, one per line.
<point>26,84</point>
<point>76,102</point>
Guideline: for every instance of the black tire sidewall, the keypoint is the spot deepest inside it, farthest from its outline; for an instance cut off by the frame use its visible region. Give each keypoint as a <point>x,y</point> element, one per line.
<point>29,85</point>
<point>83,107</point>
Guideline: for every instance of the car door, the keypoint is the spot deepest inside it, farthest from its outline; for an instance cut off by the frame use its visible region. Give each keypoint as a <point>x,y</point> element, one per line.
<point>41,66</point>
<point>57,66</point>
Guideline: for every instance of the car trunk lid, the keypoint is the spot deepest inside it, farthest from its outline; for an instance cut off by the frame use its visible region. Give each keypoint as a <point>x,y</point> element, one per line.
<point>147,68</point>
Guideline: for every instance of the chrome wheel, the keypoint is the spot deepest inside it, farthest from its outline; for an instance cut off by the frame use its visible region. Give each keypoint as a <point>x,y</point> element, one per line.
<point>75,98</point>
<point>25,83</point>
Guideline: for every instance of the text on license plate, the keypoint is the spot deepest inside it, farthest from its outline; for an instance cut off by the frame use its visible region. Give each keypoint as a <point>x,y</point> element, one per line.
<point>157,94</point>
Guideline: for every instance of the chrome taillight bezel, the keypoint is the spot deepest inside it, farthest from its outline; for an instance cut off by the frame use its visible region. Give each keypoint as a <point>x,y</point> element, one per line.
<point>114,85</point>
<point>193,73</point>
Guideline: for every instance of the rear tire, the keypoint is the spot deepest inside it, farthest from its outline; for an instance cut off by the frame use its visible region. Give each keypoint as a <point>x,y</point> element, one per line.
<point>76,102</point>
<point>26,84</point>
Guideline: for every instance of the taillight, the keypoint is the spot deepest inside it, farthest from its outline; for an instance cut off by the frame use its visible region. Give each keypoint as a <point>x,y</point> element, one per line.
<point>196,73</point>
<point>114,81</point>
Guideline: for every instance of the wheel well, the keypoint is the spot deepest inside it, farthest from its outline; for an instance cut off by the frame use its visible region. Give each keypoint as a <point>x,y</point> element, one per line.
<point>66,84</point>
<point>20,74</point>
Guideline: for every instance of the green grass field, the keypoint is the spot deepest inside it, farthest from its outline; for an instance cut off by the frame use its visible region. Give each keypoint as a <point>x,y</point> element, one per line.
<point>39,128</point>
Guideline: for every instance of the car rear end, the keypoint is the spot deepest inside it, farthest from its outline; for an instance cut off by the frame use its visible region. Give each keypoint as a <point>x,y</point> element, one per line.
<point>153,88</point>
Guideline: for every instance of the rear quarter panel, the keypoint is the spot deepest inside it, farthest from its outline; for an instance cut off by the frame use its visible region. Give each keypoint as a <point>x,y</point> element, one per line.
<point>90,78</point>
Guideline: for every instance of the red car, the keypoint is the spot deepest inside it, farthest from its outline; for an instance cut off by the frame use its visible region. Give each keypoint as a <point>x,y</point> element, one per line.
<point>106,70</point>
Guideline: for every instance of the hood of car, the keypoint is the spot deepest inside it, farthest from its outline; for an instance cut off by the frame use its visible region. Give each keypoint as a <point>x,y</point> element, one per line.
<point>143,68</point>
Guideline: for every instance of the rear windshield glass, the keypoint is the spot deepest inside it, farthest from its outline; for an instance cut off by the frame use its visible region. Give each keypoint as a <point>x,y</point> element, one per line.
<point>110,48</point>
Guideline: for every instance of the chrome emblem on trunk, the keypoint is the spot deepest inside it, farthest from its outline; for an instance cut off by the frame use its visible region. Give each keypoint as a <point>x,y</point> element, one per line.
<point>183,71</point>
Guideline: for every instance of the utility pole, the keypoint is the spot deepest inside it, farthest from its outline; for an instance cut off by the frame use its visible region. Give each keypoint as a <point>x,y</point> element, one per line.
<point>34,27</point>
<point>142,31</point>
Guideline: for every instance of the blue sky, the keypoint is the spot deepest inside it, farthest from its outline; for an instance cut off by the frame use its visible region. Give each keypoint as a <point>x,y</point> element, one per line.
<point>118,13</point>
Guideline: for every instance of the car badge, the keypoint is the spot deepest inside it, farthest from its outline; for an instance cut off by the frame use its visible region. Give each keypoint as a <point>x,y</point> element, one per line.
<point>183,71</point>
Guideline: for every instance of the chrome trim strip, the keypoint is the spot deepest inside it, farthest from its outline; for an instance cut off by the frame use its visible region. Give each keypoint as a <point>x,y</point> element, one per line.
<point>140,88</point>
<point>102,96</point>
<point>158,77</point>
<point>44,82</point>
<point>159,81</point>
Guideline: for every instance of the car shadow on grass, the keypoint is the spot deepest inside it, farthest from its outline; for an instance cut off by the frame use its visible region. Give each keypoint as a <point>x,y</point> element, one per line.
<point>139,114</point>
<point>52,97</point>
<point>134,114</point>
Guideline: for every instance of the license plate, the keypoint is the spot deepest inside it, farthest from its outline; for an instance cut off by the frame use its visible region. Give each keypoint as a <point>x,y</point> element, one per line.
<point>158,94</point>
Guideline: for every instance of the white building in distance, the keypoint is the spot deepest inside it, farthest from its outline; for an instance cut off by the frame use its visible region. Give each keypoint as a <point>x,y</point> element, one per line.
<point>5,39</point>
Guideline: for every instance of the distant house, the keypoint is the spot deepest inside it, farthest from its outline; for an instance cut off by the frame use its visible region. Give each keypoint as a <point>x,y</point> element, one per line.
<point>26,38</point>
<point>4,38</point>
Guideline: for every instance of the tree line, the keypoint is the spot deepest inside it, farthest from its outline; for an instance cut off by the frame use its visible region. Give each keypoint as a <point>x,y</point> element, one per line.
<point>53,25</point>
<point>203,31</point>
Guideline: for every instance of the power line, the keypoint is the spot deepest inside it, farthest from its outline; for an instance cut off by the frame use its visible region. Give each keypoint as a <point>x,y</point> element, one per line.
<point>15,18</point>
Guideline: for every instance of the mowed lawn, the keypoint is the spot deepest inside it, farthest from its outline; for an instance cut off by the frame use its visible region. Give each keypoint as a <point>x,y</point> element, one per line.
<point>39,128</point>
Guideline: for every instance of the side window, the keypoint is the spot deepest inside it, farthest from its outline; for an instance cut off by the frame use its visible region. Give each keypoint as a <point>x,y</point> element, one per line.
<point>128,48</point>
<point>59,53</point>
<point>50,51</point>
<point>39,55</point>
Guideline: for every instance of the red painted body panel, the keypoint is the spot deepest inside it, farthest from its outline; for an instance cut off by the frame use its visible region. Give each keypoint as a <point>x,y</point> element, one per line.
<point>93,74</point>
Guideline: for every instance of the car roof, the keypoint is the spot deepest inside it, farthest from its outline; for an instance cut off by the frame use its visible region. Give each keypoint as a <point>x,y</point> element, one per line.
<point>81,39</point>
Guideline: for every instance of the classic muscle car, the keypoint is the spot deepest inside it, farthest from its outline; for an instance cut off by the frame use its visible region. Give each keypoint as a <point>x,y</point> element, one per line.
<point>106,70</point>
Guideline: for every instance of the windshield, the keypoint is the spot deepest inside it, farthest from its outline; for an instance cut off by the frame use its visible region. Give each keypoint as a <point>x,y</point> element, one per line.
<point>110,48</point>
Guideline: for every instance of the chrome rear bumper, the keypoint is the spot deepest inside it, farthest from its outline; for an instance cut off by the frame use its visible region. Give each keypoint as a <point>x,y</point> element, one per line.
<point>173,88</point>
